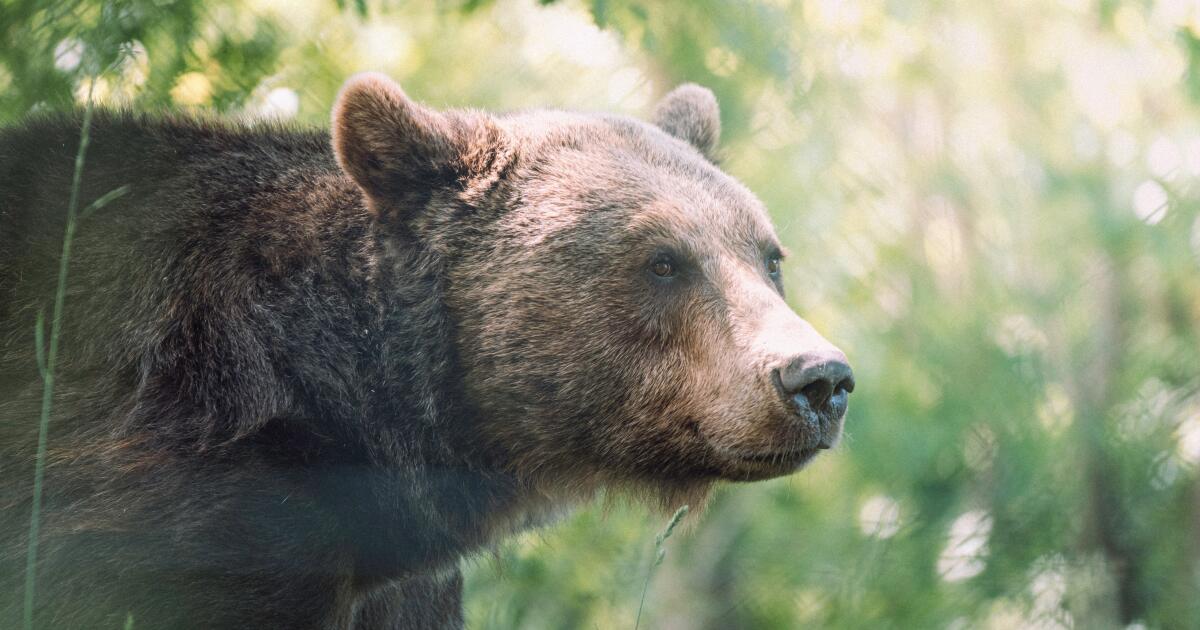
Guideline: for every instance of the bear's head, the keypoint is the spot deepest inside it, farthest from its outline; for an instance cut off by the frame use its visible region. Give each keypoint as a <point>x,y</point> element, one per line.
<point>618,299</point>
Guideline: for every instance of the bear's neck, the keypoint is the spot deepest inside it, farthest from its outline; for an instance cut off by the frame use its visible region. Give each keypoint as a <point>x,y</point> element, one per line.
<point>400,466</point>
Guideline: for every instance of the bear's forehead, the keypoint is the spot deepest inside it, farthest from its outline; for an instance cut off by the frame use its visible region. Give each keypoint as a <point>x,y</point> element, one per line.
<point>585,169</point>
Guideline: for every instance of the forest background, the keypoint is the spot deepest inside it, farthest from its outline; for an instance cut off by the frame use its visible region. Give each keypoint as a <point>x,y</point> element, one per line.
<point>991,206</point>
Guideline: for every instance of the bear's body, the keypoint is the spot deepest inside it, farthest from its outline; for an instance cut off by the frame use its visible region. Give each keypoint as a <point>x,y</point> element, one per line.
<point>253,339</point>
<point>297,383</point>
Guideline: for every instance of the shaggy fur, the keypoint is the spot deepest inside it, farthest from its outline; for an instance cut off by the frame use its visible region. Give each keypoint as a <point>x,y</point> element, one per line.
<point>300,379</point>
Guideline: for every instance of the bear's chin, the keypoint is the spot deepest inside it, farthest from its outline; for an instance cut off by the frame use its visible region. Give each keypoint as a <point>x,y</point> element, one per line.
<point>768,465</point>
<point>668,497</point>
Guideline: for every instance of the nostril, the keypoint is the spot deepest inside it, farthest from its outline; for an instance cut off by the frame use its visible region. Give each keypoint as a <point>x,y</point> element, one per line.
<point>818,392</point>
<point>818,378</point>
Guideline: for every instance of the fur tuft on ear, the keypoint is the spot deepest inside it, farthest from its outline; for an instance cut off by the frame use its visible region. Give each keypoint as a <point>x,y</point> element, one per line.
<point>690,113</point>
<point>399,151</point>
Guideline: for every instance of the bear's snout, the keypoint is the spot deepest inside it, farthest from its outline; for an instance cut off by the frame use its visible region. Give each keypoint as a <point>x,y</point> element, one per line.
<point>818,383</point>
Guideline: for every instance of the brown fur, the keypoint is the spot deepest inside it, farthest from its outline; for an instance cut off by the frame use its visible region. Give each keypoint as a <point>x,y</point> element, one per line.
<point>302,378</point>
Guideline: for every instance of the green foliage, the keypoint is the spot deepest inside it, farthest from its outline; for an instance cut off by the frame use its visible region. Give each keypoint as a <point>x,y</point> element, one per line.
<point>991,206</point>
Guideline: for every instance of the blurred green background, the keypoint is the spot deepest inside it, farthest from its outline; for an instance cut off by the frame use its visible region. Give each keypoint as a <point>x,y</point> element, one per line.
<point>991,206</point>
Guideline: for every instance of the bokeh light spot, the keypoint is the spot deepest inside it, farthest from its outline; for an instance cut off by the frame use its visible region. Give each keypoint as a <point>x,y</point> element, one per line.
<point>1150,202</point>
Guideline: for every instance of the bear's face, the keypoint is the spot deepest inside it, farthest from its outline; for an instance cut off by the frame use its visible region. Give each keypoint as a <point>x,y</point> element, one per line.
<point>618,298</point>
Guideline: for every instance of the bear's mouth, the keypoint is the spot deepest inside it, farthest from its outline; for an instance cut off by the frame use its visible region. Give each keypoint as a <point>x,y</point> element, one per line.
<point>777,457</point>
<point>752,464</point>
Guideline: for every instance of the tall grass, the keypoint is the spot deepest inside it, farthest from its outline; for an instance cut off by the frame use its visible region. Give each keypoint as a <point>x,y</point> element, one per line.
<point>47,357</point>
<point>660,553</point>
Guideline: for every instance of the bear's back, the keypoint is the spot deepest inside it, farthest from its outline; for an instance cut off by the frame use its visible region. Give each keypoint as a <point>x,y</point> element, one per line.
<point>210,220</point>
<point>177,173</point>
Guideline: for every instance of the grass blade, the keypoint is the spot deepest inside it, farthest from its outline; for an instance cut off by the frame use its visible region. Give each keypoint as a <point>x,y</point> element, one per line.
<point>104,200</point>
<point>47,363</point>
<point>660,553</point>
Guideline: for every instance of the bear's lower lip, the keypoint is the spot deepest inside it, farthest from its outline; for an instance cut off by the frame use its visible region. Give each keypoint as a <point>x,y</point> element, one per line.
<point>780,458</point>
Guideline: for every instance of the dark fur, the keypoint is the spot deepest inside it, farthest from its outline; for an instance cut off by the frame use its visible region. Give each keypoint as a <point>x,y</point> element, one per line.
<point>223,444</point>
<point>298,382</point>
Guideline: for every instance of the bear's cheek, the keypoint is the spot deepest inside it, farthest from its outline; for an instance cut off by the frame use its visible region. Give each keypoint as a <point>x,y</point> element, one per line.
<point>674,401</point>
<point>683,386</point>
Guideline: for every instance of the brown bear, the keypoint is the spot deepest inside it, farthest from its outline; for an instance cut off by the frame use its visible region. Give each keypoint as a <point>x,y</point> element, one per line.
<point>304,373</point>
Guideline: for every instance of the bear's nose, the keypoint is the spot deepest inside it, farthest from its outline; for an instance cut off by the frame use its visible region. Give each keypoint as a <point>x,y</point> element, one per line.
<point>822,379</point>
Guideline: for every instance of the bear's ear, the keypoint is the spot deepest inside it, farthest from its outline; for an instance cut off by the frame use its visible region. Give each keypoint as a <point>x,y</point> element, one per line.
<point>690,113</point>
<point>399,152</point>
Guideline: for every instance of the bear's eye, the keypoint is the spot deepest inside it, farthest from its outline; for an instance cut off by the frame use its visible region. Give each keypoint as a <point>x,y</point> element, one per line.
<point>663,268</point>
<point>774,266</point>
